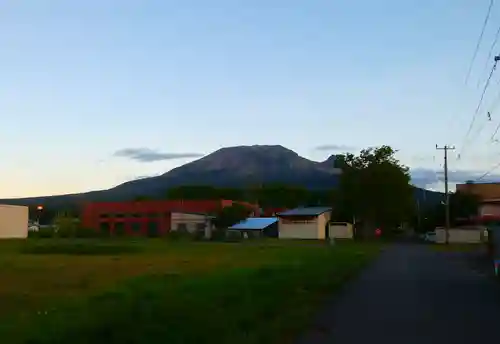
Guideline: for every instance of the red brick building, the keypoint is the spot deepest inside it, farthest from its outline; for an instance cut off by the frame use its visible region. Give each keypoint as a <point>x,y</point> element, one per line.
<point>152,218</point>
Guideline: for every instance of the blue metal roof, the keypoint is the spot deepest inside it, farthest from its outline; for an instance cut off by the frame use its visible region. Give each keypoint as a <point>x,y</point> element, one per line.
<point>255,223</point>
<point>307,211</point>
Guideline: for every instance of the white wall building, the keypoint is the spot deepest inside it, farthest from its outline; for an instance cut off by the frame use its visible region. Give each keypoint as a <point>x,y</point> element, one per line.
<point>341,230</point>
<point>192,223</point>
<point>13,221</point>
<point>304,223</point>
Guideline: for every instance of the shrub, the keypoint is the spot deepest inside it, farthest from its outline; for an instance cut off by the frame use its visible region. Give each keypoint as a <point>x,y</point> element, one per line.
<point>44,233</point>
<point>87,233</point>
<point>219,234</point>
<point>179,235</point>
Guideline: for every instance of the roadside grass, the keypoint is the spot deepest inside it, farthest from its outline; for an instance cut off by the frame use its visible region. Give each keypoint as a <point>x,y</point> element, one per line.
<point>255,292</point>
<point>452,247</point>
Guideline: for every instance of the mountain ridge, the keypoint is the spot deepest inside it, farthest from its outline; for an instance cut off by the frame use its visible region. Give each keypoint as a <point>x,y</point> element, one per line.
<point>238,166</point>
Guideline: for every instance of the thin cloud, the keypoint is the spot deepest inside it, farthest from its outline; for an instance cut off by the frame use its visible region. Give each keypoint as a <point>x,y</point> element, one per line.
<point>425,178</point>
<point>335,148</point>
<point>150,155</point>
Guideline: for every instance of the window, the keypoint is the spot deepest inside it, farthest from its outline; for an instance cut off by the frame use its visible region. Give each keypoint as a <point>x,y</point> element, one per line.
<point>136,227</point>
<point>119,228</point>
<point>103,216</point>
<point>200,226</point>
<point>182,227</point>
<point>136,215</point>
<point>153,229</point>
<point>119,215</point>
<point>105,228</point>
<point>295,222</point>
<point>152,214</point>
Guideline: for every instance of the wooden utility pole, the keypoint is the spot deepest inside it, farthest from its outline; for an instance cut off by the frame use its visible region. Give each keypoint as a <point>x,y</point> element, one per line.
<point>446,148</point>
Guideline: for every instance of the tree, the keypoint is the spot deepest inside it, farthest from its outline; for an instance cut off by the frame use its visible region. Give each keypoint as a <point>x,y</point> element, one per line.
<point>463,206</point>
<point>229,216</point>
<point>142,198</point>
<point>375,189</point>
<point>65,224</point>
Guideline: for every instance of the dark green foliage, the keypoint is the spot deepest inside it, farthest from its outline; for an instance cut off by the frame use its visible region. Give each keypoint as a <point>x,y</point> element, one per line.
<point>229,216</point>
<point>42,233</point>
<point>375,188</point>
<point>87,233</point>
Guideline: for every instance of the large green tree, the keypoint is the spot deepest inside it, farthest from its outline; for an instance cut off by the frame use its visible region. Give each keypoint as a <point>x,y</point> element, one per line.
<point>374,189</point>
<point>229,216</point>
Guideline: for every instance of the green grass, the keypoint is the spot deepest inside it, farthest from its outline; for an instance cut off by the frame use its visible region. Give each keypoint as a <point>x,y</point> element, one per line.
<point>255,292</point>
<point>79,247</point>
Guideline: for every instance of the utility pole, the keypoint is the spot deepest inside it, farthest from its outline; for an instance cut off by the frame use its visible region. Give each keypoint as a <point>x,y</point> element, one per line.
<point>446,148</point>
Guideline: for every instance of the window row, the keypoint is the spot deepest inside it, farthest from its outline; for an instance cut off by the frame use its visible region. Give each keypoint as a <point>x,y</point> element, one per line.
<point>119,228</point>
<point>133,215</point>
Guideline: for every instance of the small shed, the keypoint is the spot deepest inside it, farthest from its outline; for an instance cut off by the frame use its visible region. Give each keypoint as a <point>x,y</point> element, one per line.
<point>304,223</point>
<point>255,227</point>
<point>13,221</point>
<point>341,230</point>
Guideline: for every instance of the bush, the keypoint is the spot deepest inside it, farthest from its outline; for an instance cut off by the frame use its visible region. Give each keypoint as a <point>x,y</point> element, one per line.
<point>87,233</point>
<point>65,232</point>
<point>44,233</point>
<point>219,234</point>
<point>179,235</point>
<point>78,248</point>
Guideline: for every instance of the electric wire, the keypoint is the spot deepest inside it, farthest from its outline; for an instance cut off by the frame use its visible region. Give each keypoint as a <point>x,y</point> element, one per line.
<point>478,107</point>
<point>480,39</point>
<point>487,173</point>
<point>490,53</point>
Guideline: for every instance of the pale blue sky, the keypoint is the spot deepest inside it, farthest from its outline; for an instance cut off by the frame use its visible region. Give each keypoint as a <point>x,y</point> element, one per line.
<point>81,80</point>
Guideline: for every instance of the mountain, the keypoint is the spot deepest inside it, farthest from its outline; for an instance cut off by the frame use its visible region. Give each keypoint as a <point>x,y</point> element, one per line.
<point>227,167</point>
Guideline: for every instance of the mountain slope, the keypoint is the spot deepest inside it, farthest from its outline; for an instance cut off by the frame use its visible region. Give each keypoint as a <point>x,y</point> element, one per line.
<point>238,167</point>
<point>227,167</point>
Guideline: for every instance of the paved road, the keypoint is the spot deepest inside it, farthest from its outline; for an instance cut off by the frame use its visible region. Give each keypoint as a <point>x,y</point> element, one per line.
<point>413,294</point>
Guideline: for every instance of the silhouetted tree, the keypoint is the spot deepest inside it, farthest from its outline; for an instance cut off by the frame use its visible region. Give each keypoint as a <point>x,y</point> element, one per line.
<point>375,188</point>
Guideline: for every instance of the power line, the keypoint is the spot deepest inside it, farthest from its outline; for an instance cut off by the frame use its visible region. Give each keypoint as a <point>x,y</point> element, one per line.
<point>471,125</point>
<point>490,53</point>
<point>480,39</point>
<point>488,172</point>
<point>495,133</point>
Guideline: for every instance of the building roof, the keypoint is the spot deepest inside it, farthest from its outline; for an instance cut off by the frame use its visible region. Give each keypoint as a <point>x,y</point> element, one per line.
<point>192,213</point>
<point>305,211</point>
<point>254,223</point>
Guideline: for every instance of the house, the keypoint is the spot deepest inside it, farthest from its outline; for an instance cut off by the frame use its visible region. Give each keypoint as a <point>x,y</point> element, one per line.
<point>255,227</point>
<point>304,223</point>
<point>488,195</point>
<point>13,221</point>
<point>150,218</point>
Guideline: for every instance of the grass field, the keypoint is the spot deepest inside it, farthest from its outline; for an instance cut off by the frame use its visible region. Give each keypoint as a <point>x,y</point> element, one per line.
<point>154,291</point>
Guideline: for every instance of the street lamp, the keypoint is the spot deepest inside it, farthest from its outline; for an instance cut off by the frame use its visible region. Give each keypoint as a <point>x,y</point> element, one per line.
<point>39,212</point>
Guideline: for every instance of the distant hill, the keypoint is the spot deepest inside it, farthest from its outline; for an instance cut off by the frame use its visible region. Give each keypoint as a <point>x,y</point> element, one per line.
<point>227,167</point>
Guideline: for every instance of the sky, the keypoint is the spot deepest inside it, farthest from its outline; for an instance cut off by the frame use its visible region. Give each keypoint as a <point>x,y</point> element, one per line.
<point>88,88</point>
